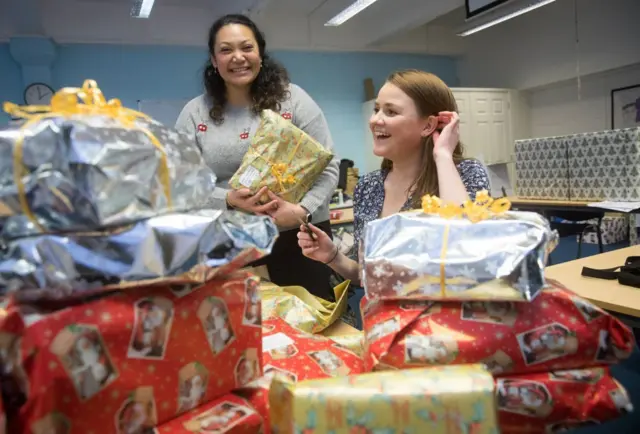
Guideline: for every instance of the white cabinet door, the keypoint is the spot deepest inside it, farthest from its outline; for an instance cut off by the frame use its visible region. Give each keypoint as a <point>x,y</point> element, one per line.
<point>500,108</point>
<point>466,122</point>
<point>484,123</point>
<point>372,162</point>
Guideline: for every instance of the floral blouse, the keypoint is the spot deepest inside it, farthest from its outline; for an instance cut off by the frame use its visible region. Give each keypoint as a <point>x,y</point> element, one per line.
<point>368,196</point>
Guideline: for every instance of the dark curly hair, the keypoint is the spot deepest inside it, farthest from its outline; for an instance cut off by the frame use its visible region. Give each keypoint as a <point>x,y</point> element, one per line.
<point>268,90</point>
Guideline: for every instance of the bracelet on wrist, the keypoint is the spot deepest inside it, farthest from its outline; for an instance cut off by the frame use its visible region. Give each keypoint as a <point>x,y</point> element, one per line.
<point>335,255</point>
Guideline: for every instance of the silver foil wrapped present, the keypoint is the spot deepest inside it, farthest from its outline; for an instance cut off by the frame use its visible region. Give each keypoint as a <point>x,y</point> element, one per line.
<point>415,255</point>
<point>181,248</point>
<point>86,164</point>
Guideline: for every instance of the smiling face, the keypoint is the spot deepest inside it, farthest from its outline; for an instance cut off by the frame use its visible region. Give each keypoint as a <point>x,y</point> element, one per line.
<point>236,55</point>
<point>398,128</point>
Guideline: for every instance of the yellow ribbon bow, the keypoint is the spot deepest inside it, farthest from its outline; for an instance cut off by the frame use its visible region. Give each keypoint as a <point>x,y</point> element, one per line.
<point>279,173</point>
<point>89,101</point>
<point>482,208</point>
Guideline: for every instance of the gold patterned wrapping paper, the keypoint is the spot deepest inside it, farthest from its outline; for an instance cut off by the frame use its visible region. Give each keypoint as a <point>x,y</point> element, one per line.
<point>300,309</point>
<point>283,158</point>
<point>416,401</point>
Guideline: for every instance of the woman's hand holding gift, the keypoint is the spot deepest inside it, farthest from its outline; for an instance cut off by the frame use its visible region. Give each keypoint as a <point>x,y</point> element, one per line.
<point>243,199</point>
<point>285,214</point>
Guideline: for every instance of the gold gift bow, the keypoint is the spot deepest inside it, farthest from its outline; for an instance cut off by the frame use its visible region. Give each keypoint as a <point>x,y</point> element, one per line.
<point>70,101</point>
<point>482,208</point>
<point>279,170</point>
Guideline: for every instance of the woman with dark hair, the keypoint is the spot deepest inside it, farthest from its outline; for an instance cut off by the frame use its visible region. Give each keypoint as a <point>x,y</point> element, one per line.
<point>241,80</point>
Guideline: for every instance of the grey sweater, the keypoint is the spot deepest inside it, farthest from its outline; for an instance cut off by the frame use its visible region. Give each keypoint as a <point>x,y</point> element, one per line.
<point>224,145</point>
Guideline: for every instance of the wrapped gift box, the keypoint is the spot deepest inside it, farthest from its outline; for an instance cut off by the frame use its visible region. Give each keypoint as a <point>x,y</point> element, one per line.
<point>388,402</point>
<point>178,249</point>
<point>557,330</point>
<point>88,163</point>
<point>605,165</point>
<point>294,355</point>
<point>229,414</point>
<point>283,158</point>
<point>542,168</point>
<point>614,230</point>
<point>425,256</point>
<point>141,356</point>
<point>551,402</point>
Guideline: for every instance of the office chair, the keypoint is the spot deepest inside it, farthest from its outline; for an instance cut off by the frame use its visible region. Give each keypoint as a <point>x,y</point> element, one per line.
<point>577,224</point>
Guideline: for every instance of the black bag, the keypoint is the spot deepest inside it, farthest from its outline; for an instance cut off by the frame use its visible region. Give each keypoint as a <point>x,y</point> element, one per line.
<point>628,274</point>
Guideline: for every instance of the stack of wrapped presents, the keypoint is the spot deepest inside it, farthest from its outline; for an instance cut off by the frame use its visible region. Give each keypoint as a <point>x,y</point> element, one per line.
<point>127,307</point>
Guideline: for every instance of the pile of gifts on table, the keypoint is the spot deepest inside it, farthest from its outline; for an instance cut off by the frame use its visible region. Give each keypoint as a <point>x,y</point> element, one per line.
<point>126,307</point>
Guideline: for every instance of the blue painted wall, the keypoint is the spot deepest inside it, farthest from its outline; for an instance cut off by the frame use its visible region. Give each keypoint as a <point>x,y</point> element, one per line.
<point>334,80</point>
<point>10,81</point>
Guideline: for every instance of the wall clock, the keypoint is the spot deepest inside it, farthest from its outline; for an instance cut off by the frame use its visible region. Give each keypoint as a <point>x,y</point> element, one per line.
<point>38,94</point>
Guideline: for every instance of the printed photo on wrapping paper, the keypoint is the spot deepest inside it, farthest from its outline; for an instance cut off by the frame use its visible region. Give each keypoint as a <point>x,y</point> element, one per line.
<point>329,362</point>
<point>607,352</point>
<point>17,381</point>
<point>252,303</point>
<point>528,398</point>
<point>52,423</point>
<point>214,315</point>
<point>498,363</point>
<point>589,376</point>
<point>193,380</point>
<point>248,367</point>
<point>153,317</point>
<point>271,371</point>
<point>588,311</point>
<point>84,356</point>
<point>137,414</point>
<point>490,312</point>
<point>621,399</point>
<point>547,343</point>
<point>220,419</point>
<point>435,350</point>
<point>283,352</point>
<point>380,330</point>
<point>570,425</point>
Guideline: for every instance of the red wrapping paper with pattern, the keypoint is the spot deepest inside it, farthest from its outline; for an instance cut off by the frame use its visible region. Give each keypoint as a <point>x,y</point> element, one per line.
<point>132,360</point>
<point>557,330</point>
<point>229,414</point>
<point>559,401</point>
<point>297,356</point>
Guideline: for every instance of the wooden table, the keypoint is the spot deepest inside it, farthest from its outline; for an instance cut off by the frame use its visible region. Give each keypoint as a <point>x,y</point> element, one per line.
<point>552,205</point>
<point>608,294</point>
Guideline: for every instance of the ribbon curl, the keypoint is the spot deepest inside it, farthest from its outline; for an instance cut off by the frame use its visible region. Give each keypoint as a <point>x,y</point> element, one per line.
<point>278,170</point>
<point>482,208</point>
<point>85,101</point>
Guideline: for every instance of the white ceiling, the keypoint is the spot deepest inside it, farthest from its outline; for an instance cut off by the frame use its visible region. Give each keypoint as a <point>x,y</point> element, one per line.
<point>387,25</point>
